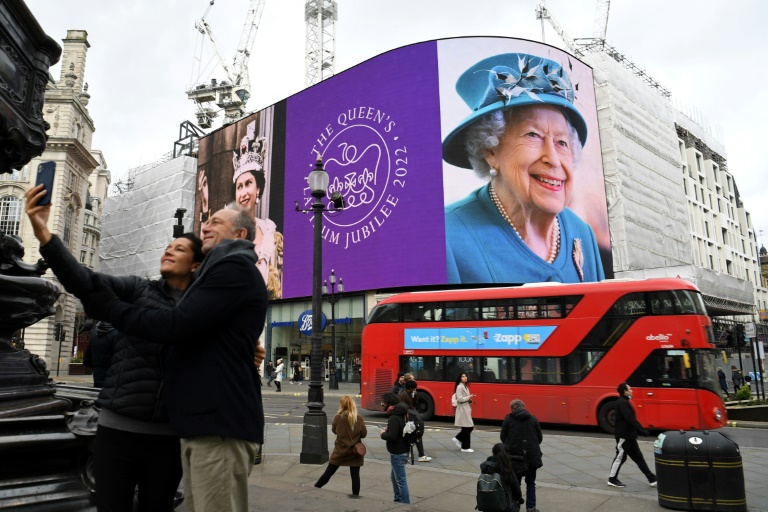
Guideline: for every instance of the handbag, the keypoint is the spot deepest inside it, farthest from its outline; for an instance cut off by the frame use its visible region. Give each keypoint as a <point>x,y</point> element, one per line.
<point>359,448</point>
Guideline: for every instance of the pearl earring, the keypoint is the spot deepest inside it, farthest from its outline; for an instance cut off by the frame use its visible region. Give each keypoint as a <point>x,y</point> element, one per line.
<point>493,172</point>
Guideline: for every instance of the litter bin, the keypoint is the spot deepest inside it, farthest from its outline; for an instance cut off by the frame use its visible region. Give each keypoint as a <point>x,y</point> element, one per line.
<point>699,470</point>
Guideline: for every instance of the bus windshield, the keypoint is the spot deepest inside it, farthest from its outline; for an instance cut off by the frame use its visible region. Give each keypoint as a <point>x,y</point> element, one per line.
<point>706,371</point>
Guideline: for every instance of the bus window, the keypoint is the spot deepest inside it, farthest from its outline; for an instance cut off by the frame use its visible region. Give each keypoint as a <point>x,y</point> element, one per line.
<point>663,368</point>
<point>429,312</point>
<point>422,367</point>
<point>498,369</point>
<point>455,366</point>
<point>461,311</point>
<point>580,362</point>
<point>541,370</point>
<point>529,308</point>
<point>385,313</point>
<point>706,370</point>
<point>632,304</point>
<point>498,310</point>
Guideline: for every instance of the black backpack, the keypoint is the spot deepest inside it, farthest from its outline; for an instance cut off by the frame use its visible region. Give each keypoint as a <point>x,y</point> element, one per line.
<point>414,436</point>
<point>491,496</point>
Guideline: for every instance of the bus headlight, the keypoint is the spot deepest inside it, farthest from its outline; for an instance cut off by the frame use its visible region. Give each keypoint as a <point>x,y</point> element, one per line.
<point>718,414</point>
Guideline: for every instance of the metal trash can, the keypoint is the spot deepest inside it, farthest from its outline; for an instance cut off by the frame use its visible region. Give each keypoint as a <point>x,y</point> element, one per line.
<point>699,470</point>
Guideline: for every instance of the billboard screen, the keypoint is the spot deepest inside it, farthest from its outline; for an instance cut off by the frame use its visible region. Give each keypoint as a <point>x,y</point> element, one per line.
<point>412,139</point>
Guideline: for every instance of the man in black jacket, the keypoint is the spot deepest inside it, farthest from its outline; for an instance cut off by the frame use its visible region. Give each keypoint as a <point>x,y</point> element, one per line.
<point>522,436</point>
<point>626,430</point>
<point>214,399</point>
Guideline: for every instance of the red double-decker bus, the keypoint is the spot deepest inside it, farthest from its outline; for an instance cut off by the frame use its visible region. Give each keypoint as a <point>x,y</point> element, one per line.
<point>561,348</point>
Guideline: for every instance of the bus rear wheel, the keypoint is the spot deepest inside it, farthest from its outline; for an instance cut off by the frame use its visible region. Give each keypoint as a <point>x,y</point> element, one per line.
<point>606,416</point>
<point>424,405</point>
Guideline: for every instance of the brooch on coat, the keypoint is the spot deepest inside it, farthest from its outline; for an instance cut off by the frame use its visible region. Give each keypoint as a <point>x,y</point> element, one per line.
<point>578,258</point>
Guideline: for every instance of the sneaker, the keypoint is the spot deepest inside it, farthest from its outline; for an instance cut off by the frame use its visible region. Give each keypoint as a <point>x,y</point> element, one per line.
<point>457,442</point>
<point>425,458</point>
<point>468,450</point>
<point>615,482</point>
<point>299,383</point>
<point>652,481</point>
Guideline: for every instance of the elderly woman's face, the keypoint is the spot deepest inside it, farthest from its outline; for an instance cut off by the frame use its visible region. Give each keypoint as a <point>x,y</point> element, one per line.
<point>246,191</point>
<point>535,160</point>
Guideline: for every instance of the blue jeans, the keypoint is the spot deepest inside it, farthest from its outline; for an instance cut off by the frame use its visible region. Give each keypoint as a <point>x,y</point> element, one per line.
<point>530,489</point>
<point>399,484</point>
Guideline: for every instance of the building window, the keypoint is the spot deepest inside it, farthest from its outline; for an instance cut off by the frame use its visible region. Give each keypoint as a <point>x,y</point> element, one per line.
<point>10,214</point>
<point>68,225</point>
<point>82,256</point>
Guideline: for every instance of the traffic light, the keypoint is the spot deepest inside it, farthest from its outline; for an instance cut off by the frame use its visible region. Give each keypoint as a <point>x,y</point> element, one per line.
<point>740,333</point>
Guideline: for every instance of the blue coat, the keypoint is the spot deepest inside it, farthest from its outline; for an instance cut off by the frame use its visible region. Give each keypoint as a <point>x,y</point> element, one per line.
<point>482,248</point>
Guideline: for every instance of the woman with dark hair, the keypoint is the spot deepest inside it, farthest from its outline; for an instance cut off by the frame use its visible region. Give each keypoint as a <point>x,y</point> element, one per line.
<point>408,396</point>
<point>349,429</point>
<point>500,463</point>
<point>463,416</point>
<point>135,444</point>
<point>399,384</point>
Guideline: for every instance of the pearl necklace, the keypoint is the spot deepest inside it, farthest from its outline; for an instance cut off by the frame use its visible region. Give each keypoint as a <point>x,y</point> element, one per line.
<point>554,242</point>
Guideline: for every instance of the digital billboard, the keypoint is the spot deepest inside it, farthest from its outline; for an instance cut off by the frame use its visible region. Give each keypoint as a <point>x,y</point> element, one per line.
<point>461,161</point>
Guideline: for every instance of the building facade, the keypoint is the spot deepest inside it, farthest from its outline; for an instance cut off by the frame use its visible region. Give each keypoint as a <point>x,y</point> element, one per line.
<point>81,174</point>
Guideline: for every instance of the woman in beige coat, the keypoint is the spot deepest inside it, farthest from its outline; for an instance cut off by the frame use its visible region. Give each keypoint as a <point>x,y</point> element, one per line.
<point>349,429</point>
<point>463,417</point>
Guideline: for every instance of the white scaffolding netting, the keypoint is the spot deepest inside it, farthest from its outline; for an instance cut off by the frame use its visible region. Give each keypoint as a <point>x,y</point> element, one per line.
<point>138,224</point>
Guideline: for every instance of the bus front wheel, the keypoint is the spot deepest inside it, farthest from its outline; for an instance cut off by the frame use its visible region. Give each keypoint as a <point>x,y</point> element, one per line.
<point>606,416</point>
<point>424,405</point>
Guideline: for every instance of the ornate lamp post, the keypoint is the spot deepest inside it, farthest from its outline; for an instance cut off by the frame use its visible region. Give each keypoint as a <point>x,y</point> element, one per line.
<point>314,443</point>
<point>333,295</point>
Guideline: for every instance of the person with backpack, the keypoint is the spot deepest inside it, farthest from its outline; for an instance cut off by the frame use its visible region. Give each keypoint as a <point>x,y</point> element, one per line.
<point>408,396</point>
<point>463,417</point>
<point>397,446</point>
<point>522,437</point>
<point>491,498</point>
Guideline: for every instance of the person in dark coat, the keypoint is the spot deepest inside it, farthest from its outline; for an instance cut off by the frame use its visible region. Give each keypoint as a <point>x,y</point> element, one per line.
<point>409,397</point>
<point>500,463</point>
<point>134,442</point>
<point>522,436</point>
<point>399,384</point>
<point>737,379</point>
<point>269,370</point>
<point>349,429</point>
<point>723,381</point>
<point>626,430</point>
<point>98,354</point>
<point>214,398</point>
<point>397,446</point>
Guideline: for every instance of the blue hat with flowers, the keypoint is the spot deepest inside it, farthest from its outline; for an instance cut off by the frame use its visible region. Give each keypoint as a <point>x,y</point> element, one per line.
<point>507,81</point>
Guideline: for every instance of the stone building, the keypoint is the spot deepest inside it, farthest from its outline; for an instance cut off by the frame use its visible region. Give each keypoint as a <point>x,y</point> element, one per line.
<point>79,190</point>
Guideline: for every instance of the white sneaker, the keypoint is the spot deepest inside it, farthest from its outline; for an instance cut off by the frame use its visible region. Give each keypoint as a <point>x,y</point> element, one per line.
<point>457,442</point>
<point>299,383</point>
<point>468,450</point>
<point>425,458</point>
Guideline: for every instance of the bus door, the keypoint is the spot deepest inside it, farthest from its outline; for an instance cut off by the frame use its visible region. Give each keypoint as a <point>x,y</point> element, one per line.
<point>663,390</point>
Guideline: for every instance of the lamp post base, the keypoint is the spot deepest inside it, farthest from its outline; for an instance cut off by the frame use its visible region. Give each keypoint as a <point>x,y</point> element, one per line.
<point>314,440</point>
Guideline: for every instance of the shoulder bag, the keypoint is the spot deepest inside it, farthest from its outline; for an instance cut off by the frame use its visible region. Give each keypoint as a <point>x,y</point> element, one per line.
<point>358,447</point>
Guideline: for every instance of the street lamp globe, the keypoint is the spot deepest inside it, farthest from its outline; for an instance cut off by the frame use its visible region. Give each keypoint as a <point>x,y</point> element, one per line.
<point>318,179</point>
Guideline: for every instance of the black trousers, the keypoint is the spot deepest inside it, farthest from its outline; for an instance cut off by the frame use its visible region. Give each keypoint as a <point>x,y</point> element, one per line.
<point>331,469</point>
<point>629,448</point>
<point>277,385</point>
<point>464,437</point>
<point>123,460</point>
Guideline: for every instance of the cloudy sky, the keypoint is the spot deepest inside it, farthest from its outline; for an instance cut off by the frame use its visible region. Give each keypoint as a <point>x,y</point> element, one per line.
<point>142,53</point>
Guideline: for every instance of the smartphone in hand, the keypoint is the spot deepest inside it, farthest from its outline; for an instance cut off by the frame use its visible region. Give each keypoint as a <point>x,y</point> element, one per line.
<point>45,172</point>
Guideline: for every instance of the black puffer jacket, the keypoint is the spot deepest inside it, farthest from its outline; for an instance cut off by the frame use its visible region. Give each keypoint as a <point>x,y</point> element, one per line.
<point>396,443</point>
<point>522,426</point>
<point>134,383</point>
<point>627,426</point>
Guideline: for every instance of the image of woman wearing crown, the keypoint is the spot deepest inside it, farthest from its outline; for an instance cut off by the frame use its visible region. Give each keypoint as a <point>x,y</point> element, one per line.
<point>248,184</point>
<point>525,137</point>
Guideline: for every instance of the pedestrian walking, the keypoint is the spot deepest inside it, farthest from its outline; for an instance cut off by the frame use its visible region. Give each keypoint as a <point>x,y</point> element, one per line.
<point>463,416</point>
<point>408,396</point>
<point>296,374</point>
<point>500,463</point>
<point>397,446</point>
<point>349,429</point>
<point>626,430</point>
<point>270,369</point>
<point>737,379</point>
<point>399,384</point>
<point>279,375</point>
<point>723,381</point>
<point>522,437</point>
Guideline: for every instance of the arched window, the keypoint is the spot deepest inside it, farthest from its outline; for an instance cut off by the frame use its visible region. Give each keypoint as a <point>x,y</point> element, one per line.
<point>10,214</point>
<point>68,224</point>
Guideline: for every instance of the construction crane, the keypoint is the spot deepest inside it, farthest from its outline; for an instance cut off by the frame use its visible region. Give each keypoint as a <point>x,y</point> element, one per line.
<point>542,13</point>
<point>602,9</point>
<point>320,17</point>
<point>232,94</point>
